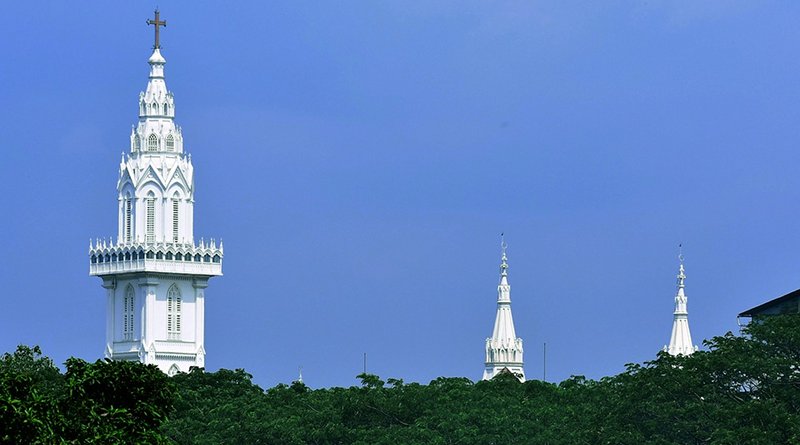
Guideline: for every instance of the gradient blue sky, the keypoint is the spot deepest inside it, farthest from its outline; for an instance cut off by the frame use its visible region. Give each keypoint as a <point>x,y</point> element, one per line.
<point>360,159</point>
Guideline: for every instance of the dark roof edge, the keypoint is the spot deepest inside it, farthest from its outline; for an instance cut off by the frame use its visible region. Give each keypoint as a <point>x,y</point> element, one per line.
<point>749,313</point>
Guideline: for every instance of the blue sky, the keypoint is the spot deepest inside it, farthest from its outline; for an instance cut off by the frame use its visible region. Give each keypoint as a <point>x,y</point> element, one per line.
<point>360,159</point>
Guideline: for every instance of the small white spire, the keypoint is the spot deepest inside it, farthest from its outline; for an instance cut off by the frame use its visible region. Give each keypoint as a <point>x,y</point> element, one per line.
<point>681,339</point>
<point>300,375</point>
<point>503,348</point>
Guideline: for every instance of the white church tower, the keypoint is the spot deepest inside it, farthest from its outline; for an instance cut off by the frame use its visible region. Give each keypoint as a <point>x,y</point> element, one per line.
<point>503,348</point>
<point>681,340</point>
<point>154,273</point>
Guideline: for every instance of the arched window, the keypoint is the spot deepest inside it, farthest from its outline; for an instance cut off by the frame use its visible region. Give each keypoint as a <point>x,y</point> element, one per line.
<point>128,211</point>
<point>152,143</point>
<point>173,313</point>
<point>151,218</point>
<point>170,143</point>
<point>155,108</point>
<point>175,217</point>
<point>128,304</point>
<point>166,109</point>
<point>173,370</point>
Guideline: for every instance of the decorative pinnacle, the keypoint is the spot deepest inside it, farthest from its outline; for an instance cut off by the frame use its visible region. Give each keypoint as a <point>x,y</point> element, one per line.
<point>681,274</point>
<point>503,258</point>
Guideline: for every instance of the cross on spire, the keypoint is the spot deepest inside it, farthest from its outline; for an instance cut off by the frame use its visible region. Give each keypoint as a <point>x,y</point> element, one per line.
<point>157,23</point>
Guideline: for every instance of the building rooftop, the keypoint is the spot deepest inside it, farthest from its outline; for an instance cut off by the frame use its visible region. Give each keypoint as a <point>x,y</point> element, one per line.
<point>787,304</point>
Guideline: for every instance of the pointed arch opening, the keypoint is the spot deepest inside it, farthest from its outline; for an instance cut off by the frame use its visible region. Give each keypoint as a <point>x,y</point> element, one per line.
<point>170,142</point>
<point>152,143</point>
<point>173,313</point>
<point>176,200</point>
<point>173,370</point>
<point>128,229</point>
<point>150,214</point>
<point>128,304</point>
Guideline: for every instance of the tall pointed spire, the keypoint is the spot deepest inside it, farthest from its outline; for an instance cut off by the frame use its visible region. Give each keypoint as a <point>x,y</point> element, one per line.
<point>156,321</point>
<point>503,348</point>
<point>681,340</point>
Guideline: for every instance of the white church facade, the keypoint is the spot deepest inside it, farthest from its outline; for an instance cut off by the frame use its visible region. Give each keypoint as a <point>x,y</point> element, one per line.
<point>154,273</point>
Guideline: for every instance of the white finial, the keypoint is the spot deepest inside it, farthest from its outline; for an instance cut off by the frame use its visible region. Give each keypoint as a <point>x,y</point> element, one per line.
<point>300,375</point>
<point>681,274</point>
<point>503,257</point>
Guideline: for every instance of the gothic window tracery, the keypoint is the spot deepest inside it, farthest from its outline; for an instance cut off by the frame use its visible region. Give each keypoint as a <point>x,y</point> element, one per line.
<point>170,142</point>
<point>152,143</point>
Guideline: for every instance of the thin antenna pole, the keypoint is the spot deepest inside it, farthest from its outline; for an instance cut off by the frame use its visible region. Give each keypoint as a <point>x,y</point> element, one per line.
<point>544,362</point>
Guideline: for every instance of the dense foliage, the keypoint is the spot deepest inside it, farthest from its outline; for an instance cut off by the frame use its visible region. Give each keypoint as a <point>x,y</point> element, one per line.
<point>92,403</point>
<point>742,390</point>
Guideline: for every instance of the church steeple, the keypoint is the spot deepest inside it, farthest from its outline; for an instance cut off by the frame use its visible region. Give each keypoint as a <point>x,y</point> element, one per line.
<point>155,274</point>
<point>681,340</point>
<point>503,348</point>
